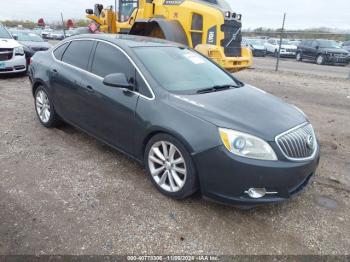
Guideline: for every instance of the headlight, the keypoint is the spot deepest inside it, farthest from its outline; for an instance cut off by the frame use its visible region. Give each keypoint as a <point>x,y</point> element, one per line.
<point>245,145</point>
<point>19,50</point>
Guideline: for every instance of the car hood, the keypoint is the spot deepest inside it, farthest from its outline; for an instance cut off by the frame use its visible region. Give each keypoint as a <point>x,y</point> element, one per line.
<point>335,50</point>
<point>246,109</point>
<point>259,47</point>
<point>8,43</point>
<point>36,45</point>
<point>289,46</point>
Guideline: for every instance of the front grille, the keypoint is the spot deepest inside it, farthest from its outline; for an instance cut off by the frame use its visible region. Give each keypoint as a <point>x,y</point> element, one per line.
<point>298,143</point>
<point>341,55</point>
<point>6,54</point>
<point>233,38</point>
<point>291,50</point>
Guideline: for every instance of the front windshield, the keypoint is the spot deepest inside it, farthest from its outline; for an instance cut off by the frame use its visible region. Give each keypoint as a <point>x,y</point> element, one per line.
<point>4,33</point>
<point>255,42</point>
<point>181,70</point>
<point>29,37</point>
<point>328,44</point>
<point>126,7</point>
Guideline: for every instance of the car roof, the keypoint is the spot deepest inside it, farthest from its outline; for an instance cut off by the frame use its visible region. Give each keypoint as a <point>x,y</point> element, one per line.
<point>127,40</point>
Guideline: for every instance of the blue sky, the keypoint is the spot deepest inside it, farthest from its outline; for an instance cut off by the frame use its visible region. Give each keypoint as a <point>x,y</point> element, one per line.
<point>266,13</point>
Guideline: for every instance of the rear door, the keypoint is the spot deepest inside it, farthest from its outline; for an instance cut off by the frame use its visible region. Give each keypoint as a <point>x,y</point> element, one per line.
<point>109,112</point>
<point>306,47</point>
<point>66,74</point>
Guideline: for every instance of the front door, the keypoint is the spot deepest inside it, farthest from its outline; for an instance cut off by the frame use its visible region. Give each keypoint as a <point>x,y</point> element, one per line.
<point>110,111</point>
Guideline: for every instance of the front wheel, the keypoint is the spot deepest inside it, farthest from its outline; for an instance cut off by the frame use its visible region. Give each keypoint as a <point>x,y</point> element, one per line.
<point>170,167</point>
<point>320,60</point>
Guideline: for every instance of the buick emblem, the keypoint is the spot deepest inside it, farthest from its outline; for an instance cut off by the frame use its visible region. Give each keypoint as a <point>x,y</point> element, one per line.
<point>310,142</point>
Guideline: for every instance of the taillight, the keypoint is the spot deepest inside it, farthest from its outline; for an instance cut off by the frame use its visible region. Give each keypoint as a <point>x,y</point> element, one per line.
<point>30,61</point>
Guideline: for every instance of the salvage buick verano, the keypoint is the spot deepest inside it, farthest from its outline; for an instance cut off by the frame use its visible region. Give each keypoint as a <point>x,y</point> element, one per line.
<point>194,126</point>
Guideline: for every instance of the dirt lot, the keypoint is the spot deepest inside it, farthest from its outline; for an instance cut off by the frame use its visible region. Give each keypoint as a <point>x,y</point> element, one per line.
<point>62,192</point>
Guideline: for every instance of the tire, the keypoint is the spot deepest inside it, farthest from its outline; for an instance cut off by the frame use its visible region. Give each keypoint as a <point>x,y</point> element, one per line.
<point>299,57</point>
<point>320,60</point>
<point>179,186</point>
<point>44,108</point>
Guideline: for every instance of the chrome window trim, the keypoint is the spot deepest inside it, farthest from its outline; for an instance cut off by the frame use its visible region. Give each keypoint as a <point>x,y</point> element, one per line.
<point>291,130</point>
<point>99,77</point>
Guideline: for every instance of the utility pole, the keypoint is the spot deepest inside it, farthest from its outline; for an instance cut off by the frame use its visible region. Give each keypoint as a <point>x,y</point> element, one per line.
<point>64,29</point>
<point>280,45</point>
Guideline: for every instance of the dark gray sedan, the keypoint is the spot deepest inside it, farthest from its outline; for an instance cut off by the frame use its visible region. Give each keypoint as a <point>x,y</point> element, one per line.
<point>190,123</point>
<point>31,42</point>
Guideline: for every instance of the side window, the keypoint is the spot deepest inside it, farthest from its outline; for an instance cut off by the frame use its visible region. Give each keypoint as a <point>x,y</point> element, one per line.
<point>314,44</point>
<point>142,87</point>
<point>108,60</point>
<point>58,53</point>
<point>197,29</point>
<point>271,42</point>
<point>78,53</point>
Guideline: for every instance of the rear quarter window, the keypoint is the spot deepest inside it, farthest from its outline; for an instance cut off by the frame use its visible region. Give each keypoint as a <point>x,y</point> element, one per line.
<point>59,51</point>
<point>78,53</point>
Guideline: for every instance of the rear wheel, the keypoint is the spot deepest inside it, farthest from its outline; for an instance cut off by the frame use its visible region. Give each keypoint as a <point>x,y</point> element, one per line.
<point>299,57</point>
<point>45,109</point>
<point>320,60</point>
<point>170,167</point>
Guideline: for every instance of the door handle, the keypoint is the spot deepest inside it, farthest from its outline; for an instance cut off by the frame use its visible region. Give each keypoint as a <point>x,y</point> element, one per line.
<point>90,88</point>
<point>54,70</point>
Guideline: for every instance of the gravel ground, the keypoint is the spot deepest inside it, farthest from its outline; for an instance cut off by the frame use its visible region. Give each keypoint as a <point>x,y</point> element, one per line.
<point>62,192</point>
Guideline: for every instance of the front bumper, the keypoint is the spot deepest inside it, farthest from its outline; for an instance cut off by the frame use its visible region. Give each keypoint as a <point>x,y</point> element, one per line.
<point>17,64</point>
<point>259,52</point>
<point>225,177</point>
<point>337,60</point>
<point>288,53</point>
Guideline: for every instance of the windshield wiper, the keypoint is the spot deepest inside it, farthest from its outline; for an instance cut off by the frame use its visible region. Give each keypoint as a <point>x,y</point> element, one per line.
<point>215,89</point>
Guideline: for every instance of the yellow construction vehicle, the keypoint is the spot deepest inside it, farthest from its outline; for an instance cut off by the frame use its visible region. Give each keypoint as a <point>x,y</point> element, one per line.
<point>209,26</point>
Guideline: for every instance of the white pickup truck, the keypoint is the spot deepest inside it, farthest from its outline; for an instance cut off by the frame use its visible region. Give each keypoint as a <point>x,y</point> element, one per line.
<point>12,57</point>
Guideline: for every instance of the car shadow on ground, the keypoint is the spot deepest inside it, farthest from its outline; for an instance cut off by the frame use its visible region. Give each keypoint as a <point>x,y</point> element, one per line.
<point>12,76</point>
<point>139,171</point>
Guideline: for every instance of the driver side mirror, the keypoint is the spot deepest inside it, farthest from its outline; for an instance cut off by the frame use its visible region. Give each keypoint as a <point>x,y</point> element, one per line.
<point>118,80</point>
<point>15,37</point>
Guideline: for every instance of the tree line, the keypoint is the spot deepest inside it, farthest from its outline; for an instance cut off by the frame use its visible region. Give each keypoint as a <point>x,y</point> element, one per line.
<point>54,25</point>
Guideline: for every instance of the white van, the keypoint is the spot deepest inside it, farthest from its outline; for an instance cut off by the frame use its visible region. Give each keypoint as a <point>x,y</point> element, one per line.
<point>12,57</point>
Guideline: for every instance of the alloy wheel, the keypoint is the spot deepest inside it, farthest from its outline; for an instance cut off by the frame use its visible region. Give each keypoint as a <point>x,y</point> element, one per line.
<point>167,166</point>
<point>43,107</point>
<point>319,60</point>
<point>298,57</point>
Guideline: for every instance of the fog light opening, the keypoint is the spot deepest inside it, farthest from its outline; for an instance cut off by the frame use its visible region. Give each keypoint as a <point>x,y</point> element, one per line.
<point>256,192</point>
